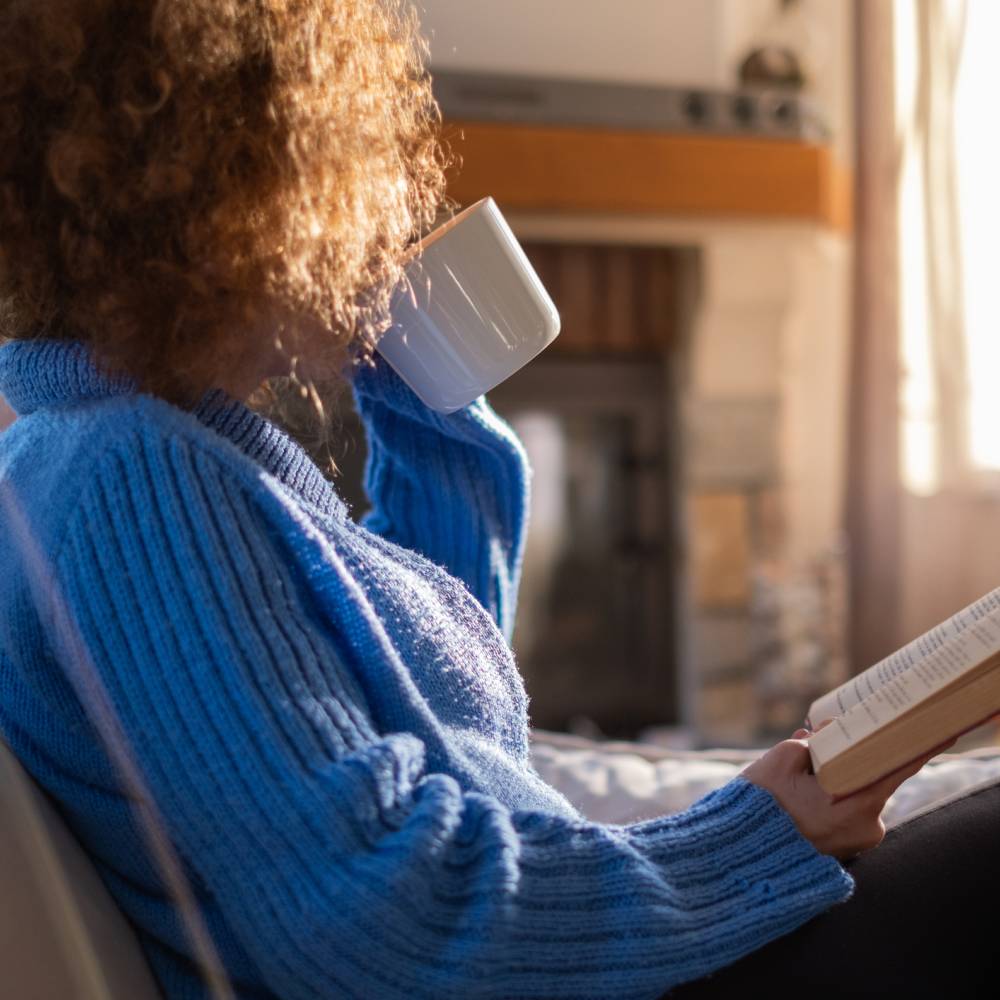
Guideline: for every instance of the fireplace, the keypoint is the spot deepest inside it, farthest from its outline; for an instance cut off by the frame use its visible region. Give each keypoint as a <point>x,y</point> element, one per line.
<point>595,634</point>
<point>596,638</point>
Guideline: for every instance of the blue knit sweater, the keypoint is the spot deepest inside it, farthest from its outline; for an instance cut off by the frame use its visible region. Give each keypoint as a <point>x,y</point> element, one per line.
<point>296,747</point>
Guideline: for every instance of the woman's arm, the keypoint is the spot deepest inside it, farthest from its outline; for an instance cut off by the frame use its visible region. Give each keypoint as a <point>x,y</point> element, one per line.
<point>343,866</point>
<point>454,488</point>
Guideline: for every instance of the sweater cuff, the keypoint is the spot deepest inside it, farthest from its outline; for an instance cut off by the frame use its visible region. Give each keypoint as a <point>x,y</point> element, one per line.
<point>378,382</point>
<point>746,851</point>
<point>377,389</point>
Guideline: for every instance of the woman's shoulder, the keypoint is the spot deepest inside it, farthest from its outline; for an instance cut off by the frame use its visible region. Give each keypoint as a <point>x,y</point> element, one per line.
<point>128,430</point>
<point>86,459</point>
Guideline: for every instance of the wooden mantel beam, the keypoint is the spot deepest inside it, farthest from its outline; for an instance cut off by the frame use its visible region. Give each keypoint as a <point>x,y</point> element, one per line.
<point>559,169</point>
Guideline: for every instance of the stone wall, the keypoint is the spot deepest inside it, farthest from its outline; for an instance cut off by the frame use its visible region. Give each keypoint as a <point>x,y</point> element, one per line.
<point>764,419</point>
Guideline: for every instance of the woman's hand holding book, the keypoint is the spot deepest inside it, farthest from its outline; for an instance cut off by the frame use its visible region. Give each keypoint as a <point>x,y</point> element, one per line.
<point>843,829</point>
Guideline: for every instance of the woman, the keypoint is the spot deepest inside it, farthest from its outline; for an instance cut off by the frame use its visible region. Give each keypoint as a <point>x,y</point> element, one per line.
<point>297,748</point>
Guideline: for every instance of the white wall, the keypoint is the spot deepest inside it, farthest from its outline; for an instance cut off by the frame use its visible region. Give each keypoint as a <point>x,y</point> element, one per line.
<point>822,31</point>
<point>649,41</point>
<point>666,42</point>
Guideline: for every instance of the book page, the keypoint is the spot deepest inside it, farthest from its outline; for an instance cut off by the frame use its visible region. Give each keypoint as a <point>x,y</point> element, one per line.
<point>854,691</point>
<point>975,641</point>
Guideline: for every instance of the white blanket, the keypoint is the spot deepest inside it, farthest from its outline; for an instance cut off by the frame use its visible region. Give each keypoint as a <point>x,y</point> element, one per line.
<point>625,782</point>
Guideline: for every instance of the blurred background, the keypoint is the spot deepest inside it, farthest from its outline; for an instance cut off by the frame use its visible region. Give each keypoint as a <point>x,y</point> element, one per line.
<point>766,445</point>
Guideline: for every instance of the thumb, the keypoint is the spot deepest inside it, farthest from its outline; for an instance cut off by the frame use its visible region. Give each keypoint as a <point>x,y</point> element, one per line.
<point>792,756</point>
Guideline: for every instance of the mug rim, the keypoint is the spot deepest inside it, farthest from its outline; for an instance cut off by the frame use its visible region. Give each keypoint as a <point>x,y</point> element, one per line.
<point>446,227</point>
<point>417,249</point>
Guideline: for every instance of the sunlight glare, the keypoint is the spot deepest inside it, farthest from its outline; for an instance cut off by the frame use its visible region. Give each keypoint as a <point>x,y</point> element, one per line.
<point>978,155</point>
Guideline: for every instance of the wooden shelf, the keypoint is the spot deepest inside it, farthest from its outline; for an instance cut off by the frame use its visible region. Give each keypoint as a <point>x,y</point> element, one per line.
<point>555,169</point>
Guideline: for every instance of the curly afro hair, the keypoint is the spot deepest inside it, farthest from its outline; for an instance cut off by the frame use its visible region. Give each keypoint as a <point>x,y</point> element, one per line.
<point>176,173</point>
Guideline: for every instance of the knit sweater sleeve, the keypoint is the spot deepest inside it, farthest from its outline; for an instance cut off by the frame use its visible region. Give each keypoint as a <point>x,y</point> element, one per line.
<point>453,487</point>
<point>344,866</point>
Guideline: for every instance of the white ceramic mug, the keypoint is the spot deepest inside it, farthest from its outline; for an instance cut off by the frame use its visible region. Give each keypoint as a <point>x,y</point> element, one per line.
<point>471,312</point>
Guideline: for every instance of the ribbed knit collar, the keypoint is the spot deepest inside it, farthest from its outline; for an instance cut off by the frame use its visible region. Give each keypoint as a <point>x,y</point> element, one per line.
<point>270,447</point>
<point>36,374</point>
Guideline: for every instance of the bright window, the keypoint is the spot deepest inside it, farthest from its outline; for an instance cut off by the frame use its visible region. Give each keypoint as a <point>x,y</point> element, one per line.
<point>978,162</point>
<point>949,288</point>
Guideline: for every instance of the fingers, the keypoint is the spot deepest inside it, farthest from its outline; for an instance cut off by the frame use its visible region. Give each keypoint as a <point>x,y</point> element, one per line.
<point>887,785</point>
<point>884,788</point>
<point>944,746</point>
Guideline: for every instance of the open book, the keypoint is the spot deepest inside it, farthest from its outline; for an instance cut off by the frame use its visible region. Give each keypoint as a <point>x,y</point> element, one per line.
<point>925,694</point>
